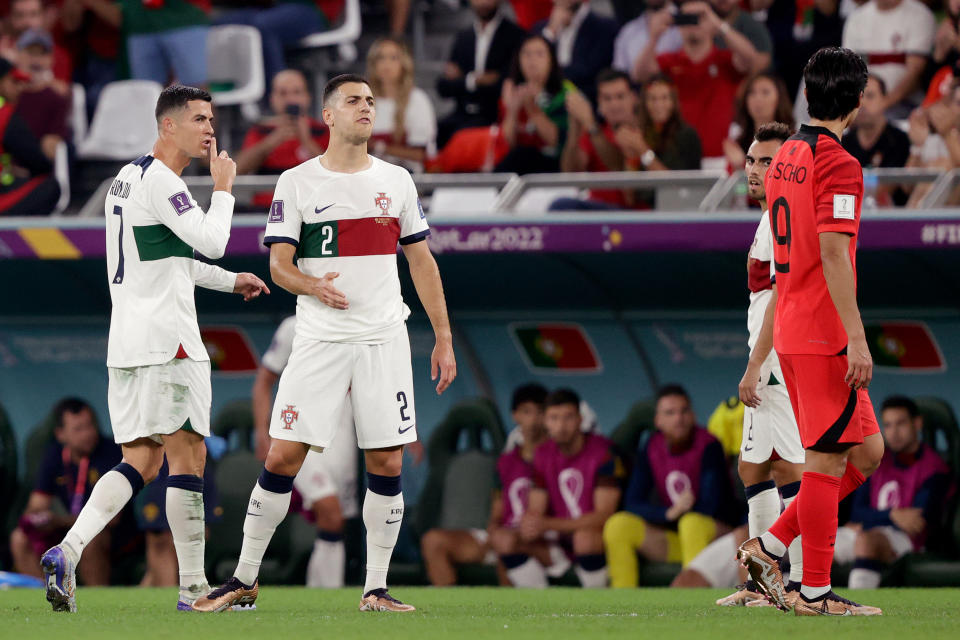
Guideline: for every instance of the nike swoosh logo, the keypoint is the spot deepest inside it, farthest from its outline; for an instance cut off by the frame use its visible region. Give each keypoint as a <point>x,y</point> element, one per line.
<point>315,210</point>
<point>403,431</point>
<point>254,514</point>
<point>393,521</point>
<point>748,448</point>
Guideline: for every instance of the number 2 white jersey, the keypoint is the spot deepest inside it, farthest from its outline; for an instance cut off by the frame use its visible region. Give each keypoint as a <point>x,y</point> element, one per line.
<point>348,223</point>
<point>153,226</point>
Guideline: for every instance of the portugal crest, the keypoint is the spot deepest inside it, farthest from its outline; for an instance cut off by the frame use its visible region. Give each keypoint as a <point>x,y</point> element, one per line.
<point>383,201</point>
<point>289,416</point>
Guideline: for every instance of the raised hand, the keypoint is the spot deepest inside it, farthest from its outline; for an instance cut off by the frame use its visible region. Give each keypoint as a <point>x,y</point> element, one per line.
<point>223,169</point>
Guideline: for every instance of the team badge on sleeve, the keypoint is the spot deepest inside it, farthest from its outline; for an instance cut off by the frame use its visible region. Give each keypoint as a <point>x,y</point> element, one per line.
<point>276,211</point>
<point>420,208</point>
<point>383,201</point>
<point>843,207</point>
<point>181,202</point>
<point>289,416</point>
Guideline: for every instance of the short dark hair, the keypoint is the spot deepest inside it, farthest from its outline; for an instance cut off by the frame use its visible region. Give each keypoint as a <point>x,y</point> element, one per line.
<point>612,75</point>
<point>531,392</point>
<point>334,83</point>
<point>69,405</point>
<point>176,96</point>
<point>901,402</point>
<point>880,81</point>
<point>560,397</point>
<point>834,78</point>
<point>773,131</point>
<point>672,389</point>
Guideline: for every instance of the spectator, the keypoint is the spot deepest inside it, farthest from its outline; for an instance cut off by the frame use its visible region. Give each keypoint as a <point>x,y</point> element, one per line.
<point>946,53</point>
<point>633,37</point>
<point>799,28</point>
<point>874,142</point>
<point>707,78</point>
<point>675,144</point>
<point>405,131</point>
<point>31,14</point>
<point>534,114</point>
<point>44,103</point>
<point>679,497</point>
<point>576,488</point>
<point>26,186</point>
<point>744,24</point>
<point>444,549</point>
<point>934,140</point>
<point>94,27</point>
<point>167,38</point>
<point>151,512</point>
<point>898,505</point>
<point>285,139</point>
<point>762,98</point>
<point>281,25</point>
<point>530,12</point>
<point>70,468</point>
<point>479,62</point>
<point>590,147</point>
<point>895,36</point>
<point>583,41</point>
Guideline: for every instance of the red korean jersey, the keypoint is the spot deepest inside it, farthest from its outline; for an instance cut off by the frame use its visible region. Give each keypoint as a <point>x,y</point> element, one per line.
<point>813,186</point>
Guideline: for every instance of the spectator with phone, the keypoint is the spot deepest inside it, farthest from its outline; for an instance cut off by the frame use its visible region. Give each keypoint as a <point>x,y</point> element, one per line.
<point>285,139</point>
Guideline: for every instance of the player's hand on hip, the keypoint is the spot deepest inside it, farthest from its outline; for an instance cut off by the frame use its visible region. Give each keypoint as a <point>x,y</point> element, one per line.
<point>328,294</point>
<point>222,168</point>
<point>250,286</point>
<point>749,387</point>
<point>859,364</point>
<point>443,362</point>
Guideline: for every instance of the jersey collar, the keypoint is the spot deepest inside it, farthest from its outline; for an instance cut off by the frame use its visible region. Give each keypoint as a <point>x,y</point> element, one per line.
<point>805,128</point>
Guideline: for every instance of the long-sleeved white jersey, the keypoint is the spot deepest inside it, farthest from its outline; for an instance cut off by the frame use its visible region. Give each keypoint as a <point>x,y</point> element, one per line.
<point>153,228</point>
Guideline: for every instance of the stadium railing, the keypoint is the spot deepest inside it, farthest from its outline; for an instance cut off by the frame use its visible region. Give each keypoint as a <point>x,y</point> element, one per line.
<point>704,191</point>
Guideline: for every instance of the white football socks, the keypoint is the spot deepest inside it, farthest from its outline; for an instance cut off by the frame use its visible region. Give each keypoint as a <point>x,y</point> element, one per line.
<point>186,517</point>
<point>795,550</point>
<point>109,495</point>
<point>772,544</point>
<point>763,510</point>
<point>862,578</point>
<point>528,575</point>
<point>327,563</point>
<point>269,502</point>
<point>382,515</point>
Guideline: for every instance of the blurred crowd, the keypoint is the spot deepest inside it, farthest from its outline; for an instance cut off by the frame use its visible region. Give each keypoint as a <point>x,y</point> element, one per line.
<point>529,85</point>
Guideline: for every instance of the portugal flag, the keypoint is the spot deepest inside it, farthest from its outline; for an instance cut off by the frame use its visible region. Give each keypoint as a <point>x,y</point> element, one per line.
<point>556,347</point>
<point>904,345</point>
<point>229,349</point>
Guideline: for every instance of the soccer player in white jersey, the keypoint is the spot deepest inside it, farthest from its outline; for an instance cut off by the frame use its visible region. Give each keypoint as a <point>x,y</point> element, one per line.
<point>327,481</point>
<point>341,215</point>
<point>771,455</point>
<point>159,371</point>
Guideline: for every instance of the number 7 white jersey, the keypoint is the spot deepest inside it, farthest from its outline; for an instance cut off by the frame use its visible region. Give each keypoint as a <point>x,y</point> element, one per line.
<point>153,227</point>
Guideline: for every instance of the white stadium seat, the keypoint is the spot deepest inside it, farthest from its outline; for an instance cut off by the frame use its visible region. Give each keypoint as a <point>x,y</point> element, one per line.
<point>235,56</point>
<point>343,37</point>
<point>78,113</point>
<point>123,125</point>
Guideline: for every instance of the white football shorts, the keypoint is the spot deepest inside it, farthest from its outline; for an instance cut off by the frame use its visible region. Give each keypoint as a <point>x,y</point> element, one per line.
<point>333,471</point>
<point>717,563</point>
<point>313,393</point>
<point>157,400</point>
<point>772,426</point>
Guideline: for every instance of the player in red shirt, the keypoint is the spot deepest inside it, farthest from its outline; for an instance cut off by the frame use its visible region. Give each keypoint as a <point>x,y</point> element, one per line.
<point>814,189</point>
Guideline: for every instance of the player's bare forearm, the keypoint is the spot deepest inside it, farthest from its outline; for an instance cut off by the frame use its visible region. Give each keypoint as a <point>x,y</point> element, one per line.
<point>429,286</point>
<point>838,272</point>
<point>286,274</point>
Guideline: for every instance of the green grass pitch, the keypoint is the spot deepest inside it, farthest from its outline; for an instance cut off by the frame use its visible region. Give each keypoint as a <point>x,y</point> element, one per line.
<point>290,612</point>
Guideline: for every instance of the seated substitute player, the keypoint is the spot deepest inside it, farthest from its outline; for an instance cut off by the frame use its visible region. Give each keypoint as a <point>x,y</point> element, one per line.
<point>71,467</point>
<point>576,487</point>
<point>771,456</point>
<point>342,215</point>
<point>815,189</point>
<point>894,507</point>
<point>159,371</point>
<point>443,549</point>
<point>679,496</point>
<point>327,482</point>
